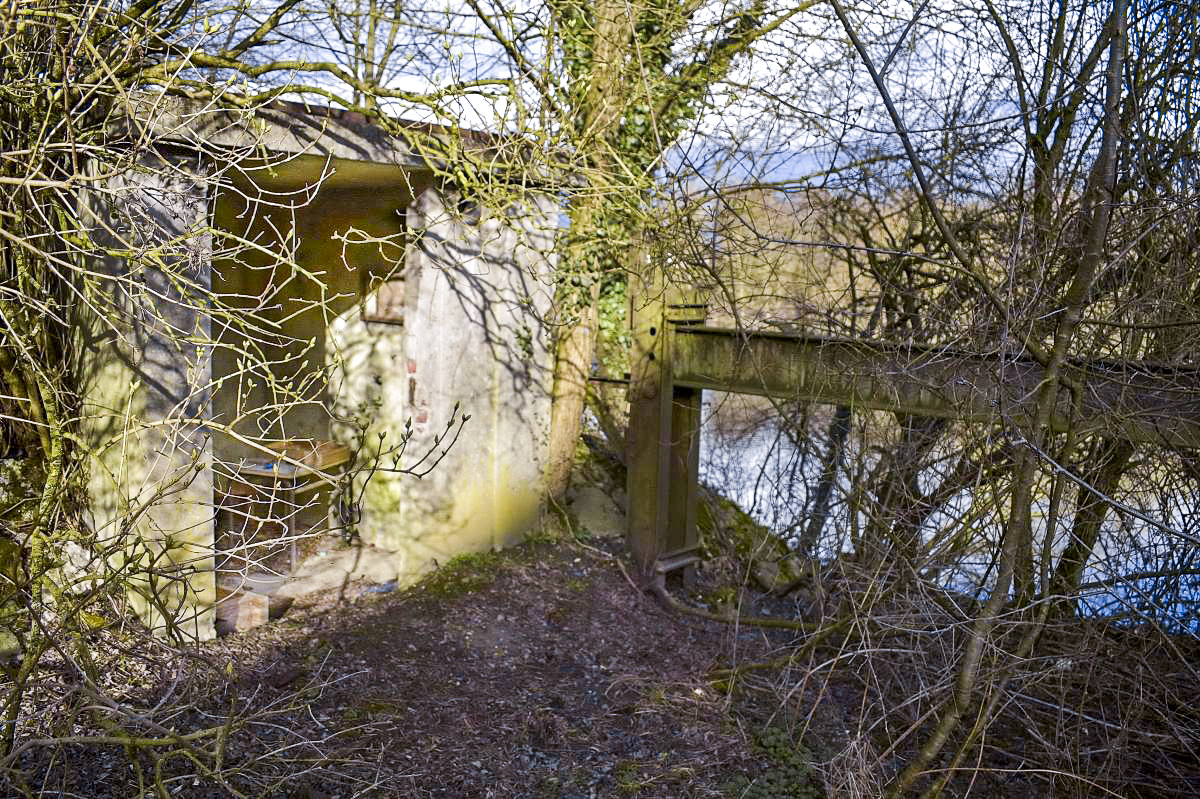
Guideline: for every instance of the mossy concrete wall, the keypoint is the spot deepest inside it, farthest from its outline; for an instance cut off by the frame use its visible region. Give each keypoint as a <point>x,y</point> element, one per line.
<point>146,381</point>
<point>180,385</point>
<point>311,261</point>
<point>478,287</point>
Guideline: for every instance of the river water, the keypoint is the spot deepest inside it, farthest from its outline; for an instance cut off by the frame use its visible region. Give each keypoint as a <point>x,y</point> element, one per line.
<point>1145,567</point>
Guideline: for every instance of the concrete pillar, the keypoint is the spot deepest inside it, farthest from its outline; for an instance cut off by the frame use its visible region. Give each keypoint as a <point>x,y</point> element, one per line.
<point>146,379</point>
<point>478,284</point>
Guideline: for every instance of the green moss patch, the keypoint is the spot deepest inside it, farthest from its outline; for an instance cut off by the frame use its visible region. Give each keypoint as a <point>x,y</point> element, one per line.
<point>463,574</point>
<point>787,771</point>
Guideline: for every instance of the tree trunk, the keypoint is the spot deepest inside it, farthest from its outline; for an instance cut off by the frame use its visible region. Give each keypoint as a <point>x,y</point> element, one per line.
<point>572,364</point>
<point>839,429</point>
<point>1091,508</point>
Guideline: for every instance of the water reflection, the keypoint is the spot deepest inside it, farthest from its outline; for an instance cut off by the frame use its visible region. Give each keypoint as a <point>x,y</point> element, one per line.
<point>1144,569</point>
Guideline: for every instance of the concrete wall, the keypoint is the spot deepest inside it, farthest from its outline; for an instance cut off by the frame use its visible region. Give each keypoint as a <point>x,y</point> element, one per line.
<point>478,286</point>
<point>147,370</point>
<point>309,264</point>
<point>271,343</point>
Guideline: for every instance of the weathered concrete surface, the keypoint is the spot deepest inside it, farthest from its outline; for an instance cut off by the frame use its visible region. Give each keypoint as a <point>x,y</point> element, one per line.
<point>476,291</point>
<point>335,570</point>
<point>596,511</point>
<point>198,374</point>
<point>282,129</point>
<point>290,141</point>
<point>146,399</point>
<point>476,286</point>
<point>307,272</point>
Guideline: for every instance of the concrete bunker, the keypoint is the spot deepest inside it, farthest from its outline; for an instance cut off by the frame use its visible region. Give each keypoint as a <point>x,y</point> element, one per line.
<point>355,298</point>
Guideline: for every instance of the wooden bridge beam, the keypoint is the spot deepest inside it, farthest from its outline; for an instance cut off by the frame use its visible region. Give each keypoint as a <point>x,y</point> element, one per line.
<point>675,358</point>
<point>1145,403</point>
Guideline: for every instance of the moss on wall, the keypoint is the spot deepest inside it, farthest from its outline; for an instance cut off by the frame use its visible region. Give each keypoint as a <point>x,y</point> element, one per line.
<point>146,395</point>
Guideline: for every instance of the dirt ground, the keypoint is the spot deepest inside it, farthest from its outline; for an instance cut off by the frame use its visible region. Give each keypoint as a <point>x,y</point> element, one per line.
<point>538,672</point>
<point>542,672</point>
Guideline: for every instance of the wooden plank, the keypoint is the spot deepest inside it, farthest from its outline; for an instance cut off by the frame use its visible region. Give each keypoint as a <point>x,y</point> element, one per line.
<point>1148,403</point>
<point>315,454</point>
<point>673,561</point>
<point>648,437</point>
<point>683,477</point>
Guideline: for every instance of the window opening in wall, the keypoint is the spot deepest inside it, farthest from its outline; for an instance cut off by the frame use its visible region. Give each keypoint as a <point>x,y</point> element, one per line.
<point>383,293</point>
<point>384,300</point>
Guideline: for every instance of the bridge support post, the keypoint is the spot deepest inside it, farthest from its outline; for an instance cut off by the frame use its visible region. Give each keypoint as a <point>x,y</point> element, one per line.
<point>663,457</point>
<point>649,436</point>
<point>681,545</point>
<point>679,550</point>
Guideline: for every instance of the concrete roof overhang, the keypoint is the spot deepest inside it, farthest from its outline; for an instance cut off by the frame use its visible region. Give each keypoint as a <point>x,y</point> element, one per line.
<point>303,171</point>
<point>291,145</point>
